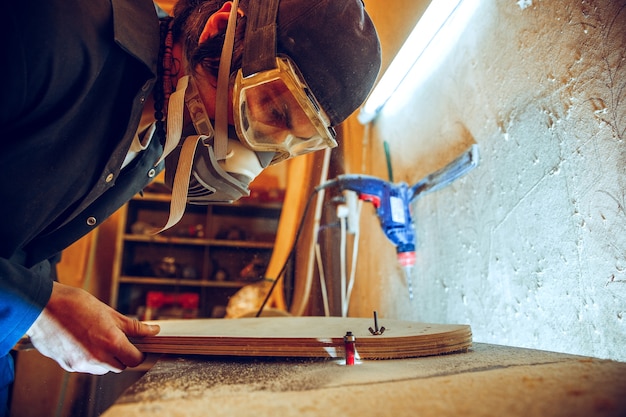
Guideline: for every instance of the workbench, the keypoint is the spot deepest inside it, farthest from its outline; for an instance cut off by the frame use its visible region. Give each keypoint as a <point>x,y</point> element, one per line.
<point>487,380</point>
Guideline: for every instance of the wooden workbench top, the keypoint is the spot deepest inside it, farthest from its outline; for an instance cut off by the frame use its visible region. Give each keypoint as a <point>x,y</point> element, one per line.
<point>488,380</point>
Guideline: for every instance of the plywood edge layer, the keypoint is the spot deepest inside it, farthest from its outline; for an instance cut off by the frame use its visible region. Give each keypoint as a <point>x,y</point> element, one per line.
<point>320,337</point>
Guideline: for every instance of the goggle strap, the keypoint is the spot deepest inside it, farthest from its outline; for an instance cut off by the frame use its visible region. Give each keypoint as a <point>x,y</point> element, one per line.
<point>180,187</point>
<point>220,144</point>
<point>259,53</point>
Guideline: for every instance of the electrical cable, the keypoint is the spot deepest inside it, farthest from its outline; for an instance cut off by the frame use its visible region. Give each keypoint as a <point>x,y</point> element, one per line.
<point>355,251</point>
<point>323,290</point>
<point>342,265</point>
<point>310,261</point>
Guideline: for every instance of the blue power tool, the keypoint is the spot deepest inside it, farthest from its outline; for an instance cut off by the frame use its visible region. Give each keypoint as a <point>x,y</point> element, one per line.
<point>393,202</point>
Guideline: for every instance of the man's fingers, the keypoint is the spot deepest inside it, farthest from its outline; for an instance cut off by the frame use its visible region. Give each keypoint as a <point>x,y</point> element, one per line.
<point>128,354</point>
<point>131,356</point>
<point>136,328</point>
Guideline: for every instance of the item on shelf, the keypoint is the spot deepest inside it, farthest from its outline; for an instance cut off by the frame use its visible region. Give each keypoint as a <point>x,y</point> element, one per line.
<point>255,270</point>
<point>220,275</point>
<point>248,299</point>
<point>189,272</point>
<point>141,228</point>
<point>167,267</point>
<point>192,230</point>
<point>161,305</point>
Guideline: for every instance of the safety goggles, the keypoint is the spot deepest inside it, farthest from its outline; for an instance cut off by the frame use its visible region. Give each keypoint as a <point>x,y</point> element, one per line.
<point>275,111</point>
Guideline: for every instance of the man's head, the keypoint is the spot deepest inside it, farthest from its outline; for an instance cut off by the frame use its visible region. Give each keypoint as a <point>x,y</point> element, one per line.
<point>333,43</point>
<point>307,66</point>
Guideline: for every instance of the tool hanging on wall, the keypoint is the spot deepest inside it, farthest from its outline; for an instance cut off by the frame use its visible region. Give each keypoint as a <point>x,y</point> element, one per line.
<point>393,202</point>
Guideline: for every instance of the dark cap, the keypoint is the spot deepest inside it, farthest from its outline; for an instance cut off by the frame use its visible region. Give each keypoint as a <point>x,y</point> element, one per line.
<point>336,48</point>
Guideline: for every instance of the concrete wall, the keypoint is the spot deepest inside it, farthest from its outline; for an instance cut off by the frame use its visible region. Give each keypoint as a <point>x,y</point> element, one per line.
<point>530,247</point>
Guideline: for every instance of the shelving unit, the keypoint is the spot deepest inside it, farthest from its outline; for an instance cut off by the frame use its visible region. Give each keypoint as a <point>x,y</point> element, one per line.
<point>193,268</point>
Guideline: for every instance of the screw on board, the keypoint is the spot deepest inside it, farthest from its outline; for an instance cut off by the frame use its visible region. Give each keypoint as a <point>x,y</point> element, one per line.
<point>376,331</point>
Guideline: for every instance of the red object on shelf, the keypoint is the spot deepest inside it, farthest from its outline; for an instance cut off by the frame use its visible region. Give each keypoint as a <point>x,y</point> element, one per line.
<point>158,299</point>
<point>161,304</point>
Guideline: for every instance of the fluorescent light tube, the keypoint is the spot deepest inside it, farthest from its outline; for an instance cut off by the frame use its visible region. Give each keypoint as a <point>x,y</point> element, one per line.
<point>432,22</point>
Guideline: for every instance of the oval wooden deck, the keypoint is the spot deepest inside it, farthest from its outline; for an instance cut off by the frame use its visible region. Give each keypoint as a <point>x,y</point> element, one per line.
<point>305,337</point>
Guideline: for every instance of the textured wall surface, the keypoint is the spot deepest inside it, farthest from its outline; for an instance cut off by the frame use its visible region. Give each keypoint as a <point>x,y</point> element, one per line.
<point>530,247</point>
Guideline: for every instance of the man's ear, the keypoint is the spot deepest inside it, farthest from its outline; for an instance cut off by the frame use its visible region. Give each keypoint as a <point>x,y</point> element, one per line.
<point>217,23</point>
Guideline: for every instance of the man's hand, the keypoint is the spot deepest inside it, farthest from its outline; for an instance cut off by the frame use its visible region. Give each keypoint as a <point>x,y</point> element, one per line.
<point>85,335</point>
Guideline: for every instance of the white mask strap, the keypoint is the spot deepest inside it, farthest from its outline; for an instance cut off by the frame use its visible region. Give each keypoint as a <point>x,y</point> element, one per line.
<point>180,188</point>
<point>220,145</point>
<point>175,110</point>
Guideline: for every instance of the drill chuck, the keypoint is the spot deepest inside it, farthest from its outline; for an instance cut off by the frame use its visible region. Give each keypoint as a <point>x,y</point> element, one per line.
<point>406,259</point>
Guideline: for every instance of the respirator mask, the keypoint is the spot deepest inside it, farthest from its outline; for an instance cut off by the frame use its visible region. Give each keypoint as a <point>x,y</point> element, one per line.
<point>275,114</point>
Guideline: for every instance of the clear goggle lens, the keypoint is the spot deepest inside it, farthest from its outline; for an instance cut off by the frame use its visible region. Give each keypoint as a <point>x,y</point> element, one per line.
<point>275,112</point>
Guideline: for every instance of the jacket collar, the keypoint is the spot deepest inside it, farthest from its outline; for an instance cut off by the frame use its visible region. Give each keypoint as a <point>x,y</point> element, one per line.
<point>139,40</point>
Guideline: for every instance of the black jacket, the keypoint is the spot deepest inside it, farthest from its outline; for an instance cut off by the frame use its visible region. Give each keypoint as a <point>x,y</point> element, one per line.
<point>76,76</point>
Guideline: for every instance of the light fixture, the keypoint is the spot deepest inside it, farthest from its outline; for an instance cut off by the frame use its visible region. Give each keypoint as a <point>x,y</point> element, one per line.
<point>439,24</point>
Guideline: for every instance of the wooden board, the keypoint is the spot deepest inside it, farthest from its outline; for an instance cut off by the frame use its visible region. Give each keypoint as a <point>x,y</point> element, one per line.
<point>305,337</point>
